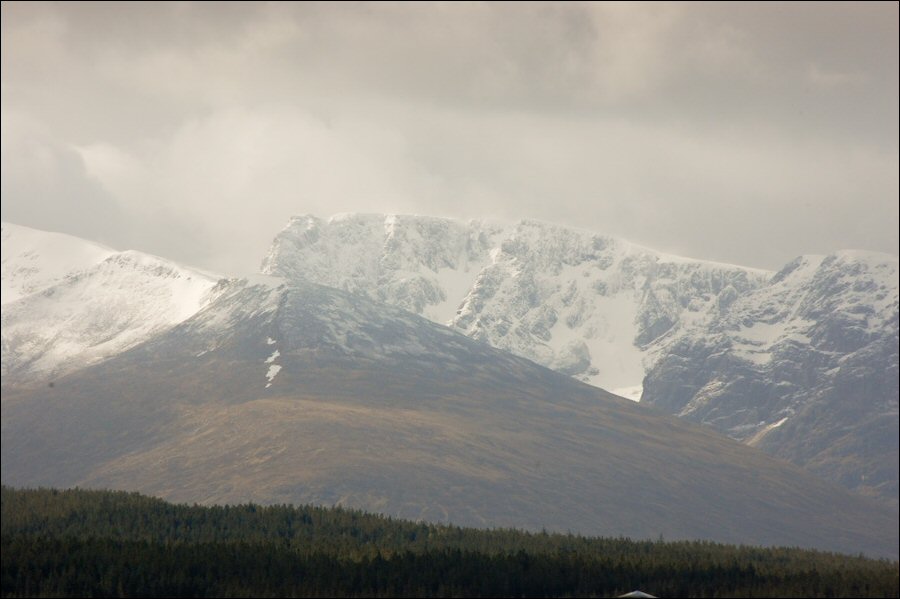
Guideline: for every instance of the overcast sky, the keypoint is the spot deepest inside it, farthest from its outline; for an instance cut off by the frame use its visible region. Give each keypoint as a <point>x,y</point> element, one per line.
<point>744,133</point>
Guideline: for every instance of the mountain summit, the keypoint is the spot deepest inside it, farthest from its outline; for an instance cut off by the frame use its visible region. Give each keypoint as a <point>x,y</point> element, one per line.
<point>591,306</point>
<point>68,303</point>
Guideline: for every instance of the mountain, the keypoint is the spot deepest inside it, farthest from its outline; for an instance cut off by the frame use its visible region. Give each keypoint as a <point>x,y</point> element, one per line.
<point>34,260</point>
<point>802,363</point>
<point>293,392</point>
<point>805,367</point>
<point>591,306</point>
<point>68,302</point>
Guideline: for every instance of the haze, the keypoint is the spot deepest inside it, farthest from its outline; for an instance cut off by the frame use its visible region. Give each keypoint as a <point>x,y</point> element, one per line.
<point>744,133</point>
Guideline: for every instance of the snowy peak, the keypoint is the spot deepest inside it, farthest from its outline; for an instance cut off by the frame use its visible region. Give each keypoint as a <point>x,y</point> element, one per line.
<point>35,260</point>
<point>421,264</point>
<point>863,286</point>
<point>585,304</point>
<point>837,302</point>
<point>79,303</point>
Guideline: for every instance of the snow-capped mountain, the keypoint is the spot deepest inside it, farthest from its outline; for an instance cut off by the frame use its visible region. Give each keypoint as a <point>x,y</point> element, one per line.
<point>71,303</point>
<point>594,307</point>
<point>33,260</point>
<point>805,367</point>
<point>802,363</point>
<point>294,392</point>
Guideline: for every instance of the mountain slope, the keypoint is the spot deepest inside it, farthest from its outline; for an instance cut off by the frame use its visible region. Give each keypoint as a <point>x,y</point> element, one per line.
<point>76,303</point>
<point>805,367</point>
<point>278,392</point>
<point>34,260</point>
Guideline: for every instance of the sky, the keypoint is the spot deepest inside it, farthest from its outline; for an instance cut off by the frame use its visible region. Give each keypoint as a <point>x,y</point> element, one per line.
<point>741,133</point>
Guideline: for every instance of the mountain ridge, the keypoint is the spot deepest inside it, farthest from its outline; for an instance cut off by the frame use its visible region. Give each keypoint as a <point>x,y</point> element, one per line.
<point>801,363</point>
<point>72,303</point>
<point>452,272</point>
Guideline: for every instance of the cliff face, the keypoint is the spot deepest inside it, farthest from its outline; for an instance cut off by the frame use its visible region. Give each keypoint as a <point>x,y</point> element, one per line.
<point>593,307</point>
<point>804,367</point>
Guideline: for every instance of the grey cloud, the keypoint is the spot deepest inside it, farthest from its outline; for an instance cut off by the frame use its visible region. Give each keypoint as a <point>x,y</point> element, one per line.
<point>45,184</point>
<point>700,128</point>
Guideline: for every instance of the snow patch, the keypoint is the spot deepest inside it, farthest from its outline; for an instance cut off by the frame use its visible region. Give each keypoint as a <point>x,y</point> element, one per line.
<point>455,283</point>
<point>633,393</point>
<point>756,438</point>
<point>273,371</point>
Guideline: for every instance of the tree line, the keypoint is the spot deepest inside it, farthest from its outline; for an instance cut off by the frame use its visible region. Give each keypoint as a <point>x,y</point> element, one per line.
<point>71,543</point>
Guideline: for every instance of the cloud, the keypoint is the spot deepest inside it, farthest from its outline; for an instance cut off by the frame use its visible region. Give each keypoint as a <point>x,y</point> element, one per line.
<point>45,184</point>
<point>829,78</point>
<point>252,170</point>
<point>698,128</point>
